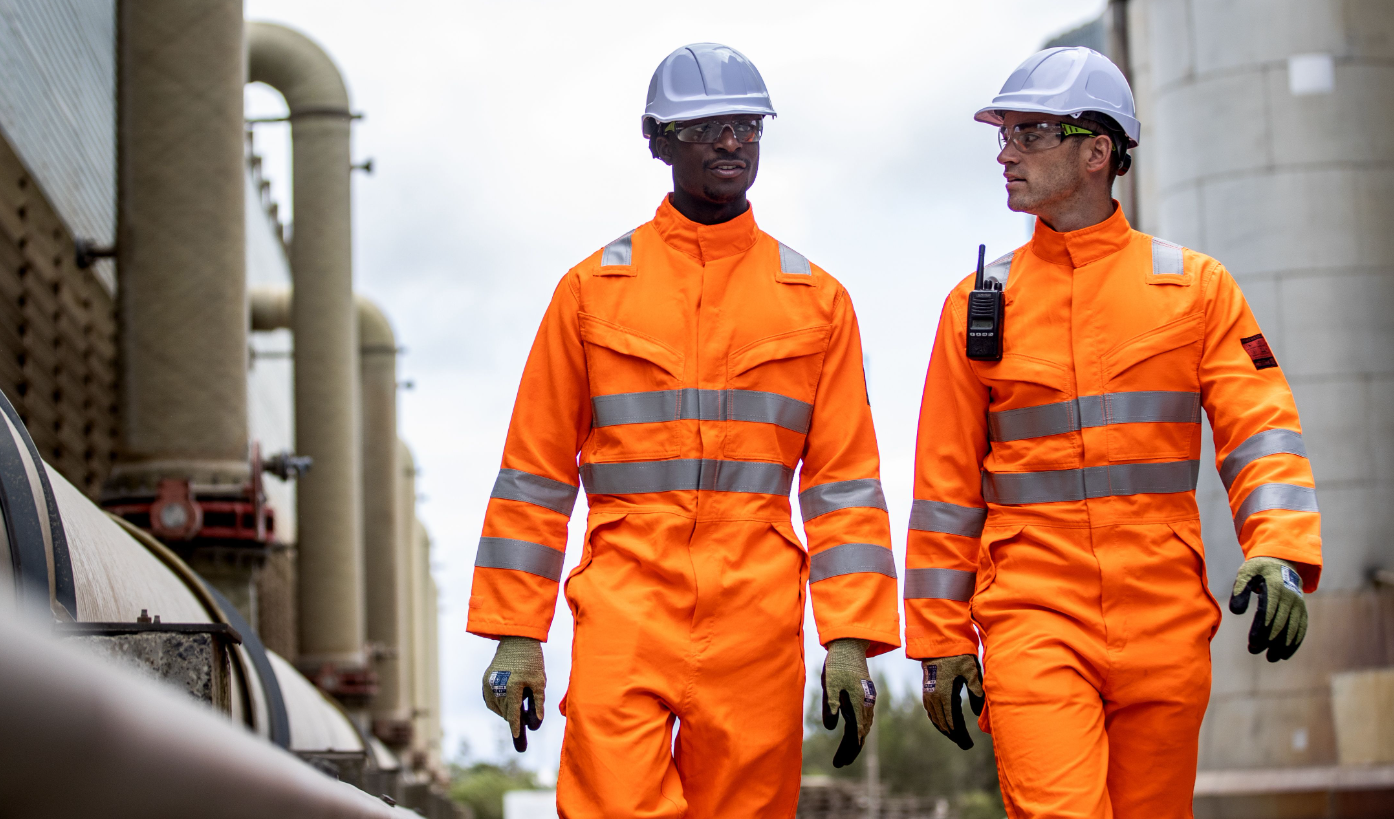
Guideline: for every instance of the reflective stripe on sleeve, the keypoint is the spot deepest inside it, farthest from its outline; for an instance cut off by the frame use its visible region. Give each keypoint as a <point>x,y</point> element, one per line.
<point>792,262</point>
<point>520,556</point>
<point>1053,486</point>
<point>830,497</point>
<point>634,477</point>
<point>1167,258</point>
<point>514,484</point>
<point>1275,496</point>
<point>851,558</point>
<point>1260,445</point>
<point>705,405</point>
<point>1142,407</point>
<point>618,252</point>
<point>948,518</point>
<point>940,584</point>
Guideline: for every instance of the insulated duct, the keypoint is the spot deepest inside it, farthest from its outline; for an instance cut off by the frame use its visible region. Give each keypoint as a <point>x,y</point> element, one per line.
<point>181,248</point>
<point>329,496</point>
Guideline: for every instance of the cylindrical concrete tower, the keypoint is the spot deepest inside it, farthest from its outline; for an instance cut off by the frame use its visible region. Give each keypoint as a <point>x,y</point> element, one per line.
<point>1265,144</point>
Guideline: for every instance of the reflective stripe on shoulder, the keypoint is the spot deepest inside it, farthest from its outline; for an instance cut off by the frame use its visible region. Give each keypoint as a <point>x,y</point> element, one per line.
<point>1284,496</point>
<point>999,269</point>
<point>520,556</point>
<point>850,558</point>
<point>947,518</point>
<point>619,252</point>
<point>792,262</point>
<point>940,584</point>
<point>1260,445</point>
<point>515,484</point>
<point>1167,258</point>
<point>830,497</point>
<point>1057,485</point>
<point>676,475</point>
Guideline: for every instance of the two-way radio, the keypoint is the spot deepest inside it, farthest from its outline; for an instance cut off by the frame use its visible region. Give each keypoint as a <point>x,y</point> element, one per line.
<point>985,316</point>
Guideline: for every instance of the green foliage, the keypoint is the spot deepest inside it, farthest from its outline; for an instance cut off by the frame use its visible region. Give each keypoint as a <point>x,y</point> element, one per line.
<point>915,759</point>
<point>481,786</point>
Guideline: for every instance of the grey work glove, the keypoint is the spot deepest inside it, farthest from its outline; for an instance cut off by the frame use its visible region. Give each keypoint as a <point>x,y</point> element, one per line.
<point>515,686</point>
<point>944,681</point>
<point>1280,621</point>
<point>849,691</point>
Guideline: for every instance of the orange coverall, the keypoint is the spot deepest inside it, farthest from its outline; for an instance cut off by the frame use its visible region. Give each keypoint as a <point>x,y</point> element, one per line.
<point>1055,510</point>
<point>691,367</point>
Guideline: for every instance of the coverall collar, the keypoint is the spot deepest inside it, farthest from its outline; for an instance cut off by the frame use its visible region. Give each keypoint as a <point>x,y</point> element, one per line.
<point>706,243</point>
<point>1078,248</point>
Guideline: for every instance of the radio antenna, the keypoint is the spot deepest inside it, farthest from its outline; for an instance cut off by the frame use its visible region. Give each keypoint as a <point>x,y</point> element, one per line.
<point>982,254</point>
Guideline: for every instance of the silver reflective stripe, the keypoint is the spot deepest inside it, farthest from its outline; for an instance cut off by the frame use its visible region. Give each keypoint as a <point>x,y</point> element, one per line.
<point>618,252</point>
<point>830,497</point>
<point>792,262</point>
<point>951,519</point>
<point>940,584</point>
<point>514,484</point>
<point>999,270</point>
<point>851,558</point>
<point>1091,482</point>
<point>1167,259</point>
<point>1142,407</point>
<point>633,477</point>
<point>707,405</point>
<point>1276,496</point>
<point>520,556</point>
<point>1260,445</point>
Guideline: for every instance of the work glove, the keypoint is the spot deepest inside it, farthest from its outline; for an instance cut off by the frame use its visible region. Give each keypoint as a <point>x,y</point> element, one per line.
<point>515,686</point>
<point>849,691</point>
<point>1280,622</point>
<point>944,681</point>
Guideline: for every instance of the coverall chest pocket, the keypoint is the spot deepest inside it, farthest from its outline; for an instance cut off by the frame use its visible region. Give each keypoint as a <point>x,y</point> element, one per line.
<point>634,381</point>
<point>1031,418</point>
<point>771,386</point>
<point>1154,382</point>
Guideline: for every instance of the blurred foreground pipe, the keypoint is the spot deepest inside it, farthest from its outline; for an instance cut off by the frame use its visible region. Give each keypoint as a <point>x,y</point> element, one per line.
<point>84,738</point>
<point>329,496</point>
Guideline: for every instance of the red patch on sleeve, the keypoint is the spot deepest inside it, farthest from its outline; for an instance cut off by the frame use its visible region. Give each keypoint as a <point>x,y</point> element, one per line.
<point>1258,350</point>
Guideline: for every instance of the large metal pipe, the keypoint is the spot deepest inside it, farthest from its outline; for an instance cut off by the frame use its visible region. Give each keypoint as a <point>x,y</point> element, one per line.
<point>406,549</point>
<point>329,497</point>
<point>181,247</point>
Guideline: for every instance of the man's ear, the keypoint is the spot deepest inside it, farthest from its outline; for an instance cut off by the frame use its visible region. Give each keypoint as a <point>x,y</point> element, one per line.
<point>661,149</point>
<point>1100,154</point>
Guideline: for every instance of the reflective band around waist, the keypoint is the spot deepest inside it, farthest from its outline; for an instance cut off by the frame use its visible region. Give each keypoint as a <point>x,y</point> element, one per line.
<point>940,584</point>
<point>634,477</point>
<point>1276,496</point>
<point>704,405</point>
<point>948,518</point>
<point>830,497</point>
<point>1091,482</point>
<point>1144,407</point>
<point>514,484</point>
<point>520,556</point>
<point>850,558</point>
<point>1260,445</point>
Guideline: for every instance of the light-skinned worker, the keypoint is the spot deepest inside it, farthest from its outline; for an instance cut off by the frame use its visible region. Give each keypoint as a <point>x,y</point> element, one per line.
<point>1055,476</point>
<point>691,364</point>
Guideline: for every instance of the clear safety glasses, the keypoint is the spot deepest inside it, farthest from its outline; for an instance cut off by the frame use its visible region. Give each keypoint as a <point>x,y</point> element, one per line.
<point>745,130</point>
<point>1029,137</point>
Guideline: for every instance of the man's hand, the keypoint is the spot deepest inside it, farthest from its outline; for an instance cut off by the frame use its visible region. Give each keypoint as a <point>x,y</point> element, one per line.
<point>944,681</point>
<point>515,686</point>
<point>1280,622</point>
<point>849,691</point>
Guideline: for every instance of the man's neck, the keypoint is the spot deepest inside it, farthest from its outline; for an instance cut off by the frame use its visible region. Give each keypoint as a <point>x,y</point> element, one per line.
<point>707,213</point>
<point>1078,214</point>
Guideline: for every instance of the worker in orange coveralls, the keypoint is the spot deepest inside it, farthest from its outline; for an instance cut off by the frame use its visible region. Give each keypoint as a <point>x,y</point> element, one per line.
<point>1059,446</point>
<point>692,363</point>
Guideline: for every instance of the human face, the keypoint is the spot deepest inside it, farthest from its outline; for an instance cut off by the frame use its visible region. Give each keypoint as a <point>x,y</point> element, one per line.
<point>711,176</point>
<point>1040,181</point>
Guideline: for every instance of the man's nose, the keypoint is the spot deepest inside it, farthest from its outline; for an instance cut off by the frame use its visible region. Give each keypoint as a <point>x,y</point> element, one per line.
<point>727,141</point>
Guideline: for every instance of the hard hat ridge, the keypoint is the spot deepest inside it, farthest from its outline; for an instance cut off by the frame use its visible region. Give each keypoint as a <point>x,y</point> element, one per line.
<point>705,80</point>
<point>1067,82</point>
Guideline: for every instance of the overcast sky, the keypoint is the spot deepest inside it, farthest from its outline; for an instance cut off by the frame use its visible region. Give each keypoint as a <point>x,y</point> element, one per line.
<point>506,145</point>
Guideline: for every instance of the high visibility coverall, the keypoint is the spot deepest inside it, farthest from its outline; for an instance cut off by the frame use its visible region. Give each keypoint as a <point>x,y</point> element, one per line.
<point>1055,510</point>
<point>691,367</point>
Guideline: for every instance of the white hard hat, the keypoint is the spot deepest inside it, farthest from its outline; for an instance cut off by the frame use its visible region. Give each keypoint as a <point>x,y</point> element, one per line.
<point>705,80</point>
<point>1067,81</point>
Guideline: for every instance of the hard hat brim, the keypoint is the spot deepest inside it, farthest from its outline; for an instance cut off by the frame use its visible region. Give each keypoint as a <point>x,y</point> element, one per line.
<point>714,108</point>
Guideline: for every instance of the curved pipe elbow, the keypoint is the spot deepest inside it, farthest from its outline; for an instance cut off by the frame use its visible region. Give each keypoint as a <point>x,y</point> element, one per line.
<point>296,66</point>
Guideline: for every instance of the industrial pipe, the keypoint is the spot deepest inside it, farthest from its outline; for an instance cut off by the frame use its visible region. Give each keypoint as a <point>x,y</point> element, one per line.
<point>181,248</point>
<point>329,497</point>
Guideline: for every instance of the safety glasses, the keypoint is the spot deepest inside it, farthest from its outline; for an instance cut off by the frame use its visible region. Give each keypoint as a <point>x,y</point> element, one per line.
<point>745,130</point>
<point>1029,137</point>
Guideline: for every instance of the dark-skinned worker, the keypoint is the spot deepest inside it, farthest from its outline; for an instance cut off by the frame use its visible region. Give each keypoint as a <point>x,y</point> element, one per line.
<point>680,375</point>
<point>1054,503</point>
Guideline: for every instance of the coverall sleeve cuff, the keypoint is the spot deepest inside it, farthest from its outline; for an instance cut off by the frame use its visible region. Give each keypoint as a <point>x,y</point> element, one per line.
<point>1300,558</point>
<point>881,641</point>
<point>923,648</point>
<point>495,629</point>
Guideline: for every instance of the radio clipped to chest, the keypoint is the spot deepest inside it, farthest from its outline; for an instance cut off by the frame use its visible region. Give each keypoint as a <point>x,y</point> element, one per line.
<point>985,314</point>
